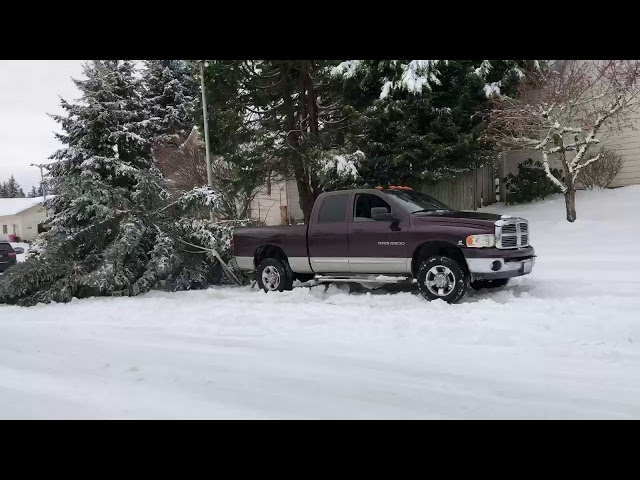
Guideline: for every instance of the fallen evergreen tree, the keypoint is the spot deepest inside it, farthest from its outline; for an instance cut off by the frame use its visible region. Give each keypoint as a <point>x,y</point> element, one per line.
<point>113,231</point>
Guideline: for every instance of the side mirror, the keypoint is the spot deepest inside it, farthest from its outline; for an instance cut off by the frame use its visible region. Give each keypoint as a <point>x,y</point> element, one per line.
<point>380,214</point>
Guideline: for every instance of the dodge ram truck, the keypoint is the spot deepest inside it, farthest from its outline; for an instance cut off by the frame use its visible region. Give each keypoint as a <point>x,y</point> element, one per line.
<point>389,235</point>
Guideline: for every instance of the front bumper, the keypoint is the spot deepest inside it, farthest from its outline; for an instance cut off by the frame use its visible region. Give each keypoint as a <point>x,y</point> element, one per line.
<point>500,263</point>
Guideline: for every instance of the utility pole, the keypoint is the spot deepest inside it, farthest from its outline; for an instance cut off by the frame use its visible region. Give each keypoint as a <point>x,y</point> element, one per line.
<point>42,184</point>
<point>206,127</point>
<point>206,132</point>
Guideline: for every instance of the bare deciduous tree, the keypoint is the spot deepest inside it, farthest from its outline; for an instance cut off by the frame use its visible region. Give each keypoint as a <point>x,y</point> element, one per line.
<point>184,168</point>
<point>565,111</point>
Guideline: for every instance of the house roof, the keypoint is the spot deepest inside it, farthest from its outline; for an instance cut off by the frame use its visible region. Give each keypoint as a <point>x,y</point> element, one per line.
<point>13,206</point>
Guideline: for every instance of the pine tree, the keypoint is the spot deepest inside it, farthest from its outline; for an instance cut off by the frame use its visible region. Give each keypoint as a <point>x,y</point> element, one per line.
<point>112,231</point>
<point>33,193</point>
<point>420,121</point>
<point>11,189</point>
<point>48,185</point>
<point>170,90</point>
<point>106,185</point>
<point>504,76</point>
<point>294,118</point>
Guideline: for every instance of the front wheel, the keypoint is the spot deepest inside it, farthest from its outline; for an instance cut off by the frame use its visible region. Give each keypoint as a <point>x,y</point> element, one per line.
<point>442,278</point>
<point>498,282</point>
<point>274,275</point>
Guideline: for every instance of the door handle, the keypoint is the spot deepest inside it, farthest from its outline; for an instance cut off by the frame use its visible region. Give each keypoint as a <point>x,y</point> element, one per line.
<point>357,230</point>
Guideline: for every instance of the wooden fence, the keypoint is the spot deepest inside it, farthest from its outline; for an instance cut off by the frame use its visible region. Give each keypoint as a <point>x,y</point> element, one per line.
<point>470,191</point>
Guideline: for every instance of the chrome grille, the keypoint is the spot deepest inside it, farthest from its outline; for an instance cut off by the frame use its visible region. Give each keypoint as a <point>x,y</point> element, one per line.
<point>512,233</point>
<point>509,229</point>
<point>509,242</point>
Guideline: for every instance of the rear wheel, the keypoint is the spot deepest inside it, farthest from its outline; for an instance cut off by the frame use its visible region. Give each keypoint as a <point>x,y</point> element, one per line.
<point>442,278</point>
<point>274,275</point>
<point>499,282</point>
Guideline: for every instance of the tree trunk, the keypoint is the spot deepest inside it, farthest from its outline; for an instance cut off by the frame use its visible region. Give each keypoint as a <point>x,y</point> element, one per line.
<point>296,157</point>
<point>570,193</point>
<point>570,202</point>
<point>307,198</point>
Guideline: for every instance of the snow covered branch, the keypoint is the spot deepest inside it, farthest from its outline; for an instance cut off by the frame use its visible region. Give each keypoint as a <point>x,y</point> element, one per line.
<point>564,111</point>
<point>545,162</point>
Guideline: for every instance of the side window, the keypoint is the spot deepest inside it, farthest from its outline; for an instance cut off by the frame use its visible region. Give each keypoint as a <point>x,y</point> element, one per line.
<point>334,209</point>
<point>363,205</point>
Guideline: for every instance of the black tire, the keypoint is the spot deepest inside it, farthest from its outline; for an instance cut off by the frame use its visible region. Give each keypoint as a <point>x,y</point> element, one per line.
<point>284,275</point>
<point>454,276</point>
<point>497,283</point>
<point>304,277</point>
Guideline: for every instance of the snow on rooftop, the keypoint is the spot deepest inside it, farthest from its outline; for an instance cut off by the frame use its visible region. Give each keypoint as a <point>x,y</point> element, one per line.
<point>13,206</point>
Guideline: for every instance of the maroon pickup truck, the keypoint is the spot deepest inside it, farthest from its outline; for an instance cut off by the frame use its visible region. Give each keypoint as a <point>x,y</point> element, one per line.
<point>389,235</point>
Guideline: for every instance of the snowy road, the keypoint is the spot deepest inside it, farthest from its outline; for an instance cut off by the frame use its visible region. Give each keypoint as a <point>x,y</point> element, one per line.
<point>563,342</point>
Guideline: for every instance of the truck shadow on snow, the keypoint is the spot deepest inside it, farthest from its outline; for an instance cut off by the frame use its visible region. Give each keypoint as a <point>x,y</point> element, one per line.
<point>499,295</point>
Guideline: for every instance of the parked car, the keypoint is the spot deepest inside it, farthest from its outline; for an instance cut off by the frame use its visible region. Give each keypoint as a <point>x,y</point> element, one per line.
<point>389,235</point>
<point>7,256</point>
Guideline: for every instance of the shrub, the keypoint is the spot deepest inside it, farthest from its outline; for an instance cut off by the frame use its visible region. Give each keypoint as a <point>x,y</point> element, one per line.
<point>601,172</point>
<point>531,183</point>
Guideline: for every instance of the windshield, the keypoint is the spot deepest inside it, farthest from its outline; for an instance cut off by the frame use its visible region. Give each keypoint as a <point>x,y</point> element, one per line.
<point>415,202</point>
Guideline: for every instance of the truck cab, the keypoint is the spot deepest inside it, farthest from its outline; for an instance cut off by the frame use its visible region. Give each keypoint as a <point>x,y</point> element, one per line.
<point>393,234</point>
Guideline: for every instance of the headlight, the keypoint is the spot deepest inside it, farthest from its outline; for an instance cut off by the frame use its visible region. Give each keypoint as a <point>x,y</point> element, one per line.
<point>479,241</point>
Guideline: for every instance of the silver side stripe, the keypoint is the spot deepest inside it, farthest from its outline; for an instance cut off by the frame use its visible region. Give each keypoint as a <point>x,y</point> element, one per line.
<point>340,264</point>
<point>361,265</point>
<point>372,260</point>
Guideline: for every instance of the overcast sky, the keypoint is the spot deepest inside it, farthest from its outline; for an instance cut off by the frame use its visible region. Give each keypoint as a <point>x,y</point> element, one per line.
<point>29,89</point>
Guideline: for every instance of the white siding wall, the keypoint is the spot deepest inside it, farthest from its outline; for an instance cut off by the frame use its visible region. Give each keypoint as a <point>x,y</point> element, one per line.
<point>516,157</point>
<point>29,220</point>
<point>266,207</point>
<point>626,144</point>
<point>9,221</point>
<point>270,208</point>
<point>295,212</point>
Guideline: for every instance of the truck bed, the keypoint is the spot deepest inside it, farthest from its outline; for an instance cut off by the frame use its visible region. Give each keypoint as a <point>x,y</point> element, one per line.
<point>291,238</point>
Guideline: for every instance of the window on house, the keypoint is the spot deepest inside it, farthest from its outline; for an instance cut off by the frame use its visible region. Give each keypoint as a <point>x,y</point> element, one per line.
<point>4,229</point>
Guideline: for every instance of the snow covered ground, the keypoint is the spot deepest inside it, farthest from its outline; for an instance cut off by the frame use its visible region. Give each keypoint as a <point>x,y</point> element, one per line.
<point>563,342</point>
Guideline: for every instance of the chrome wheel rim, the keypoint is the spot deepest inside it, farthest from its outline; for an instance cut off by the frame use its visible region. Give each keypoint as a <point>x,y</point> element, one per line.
<point>440,280</point>
<point>271,278</point>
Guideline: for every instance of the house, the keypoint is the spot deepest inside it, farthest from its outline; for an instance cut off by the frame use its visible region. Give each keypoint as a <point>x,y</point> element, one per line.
<point>20,217</point>
<point>277,203</point>
<point>626,143</point>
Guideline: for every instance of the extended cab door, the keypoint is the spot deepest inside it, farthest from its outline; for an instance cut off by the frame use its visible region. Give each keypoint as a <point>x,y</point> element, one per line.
<point>328,233</point>
<point>377,246</point>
